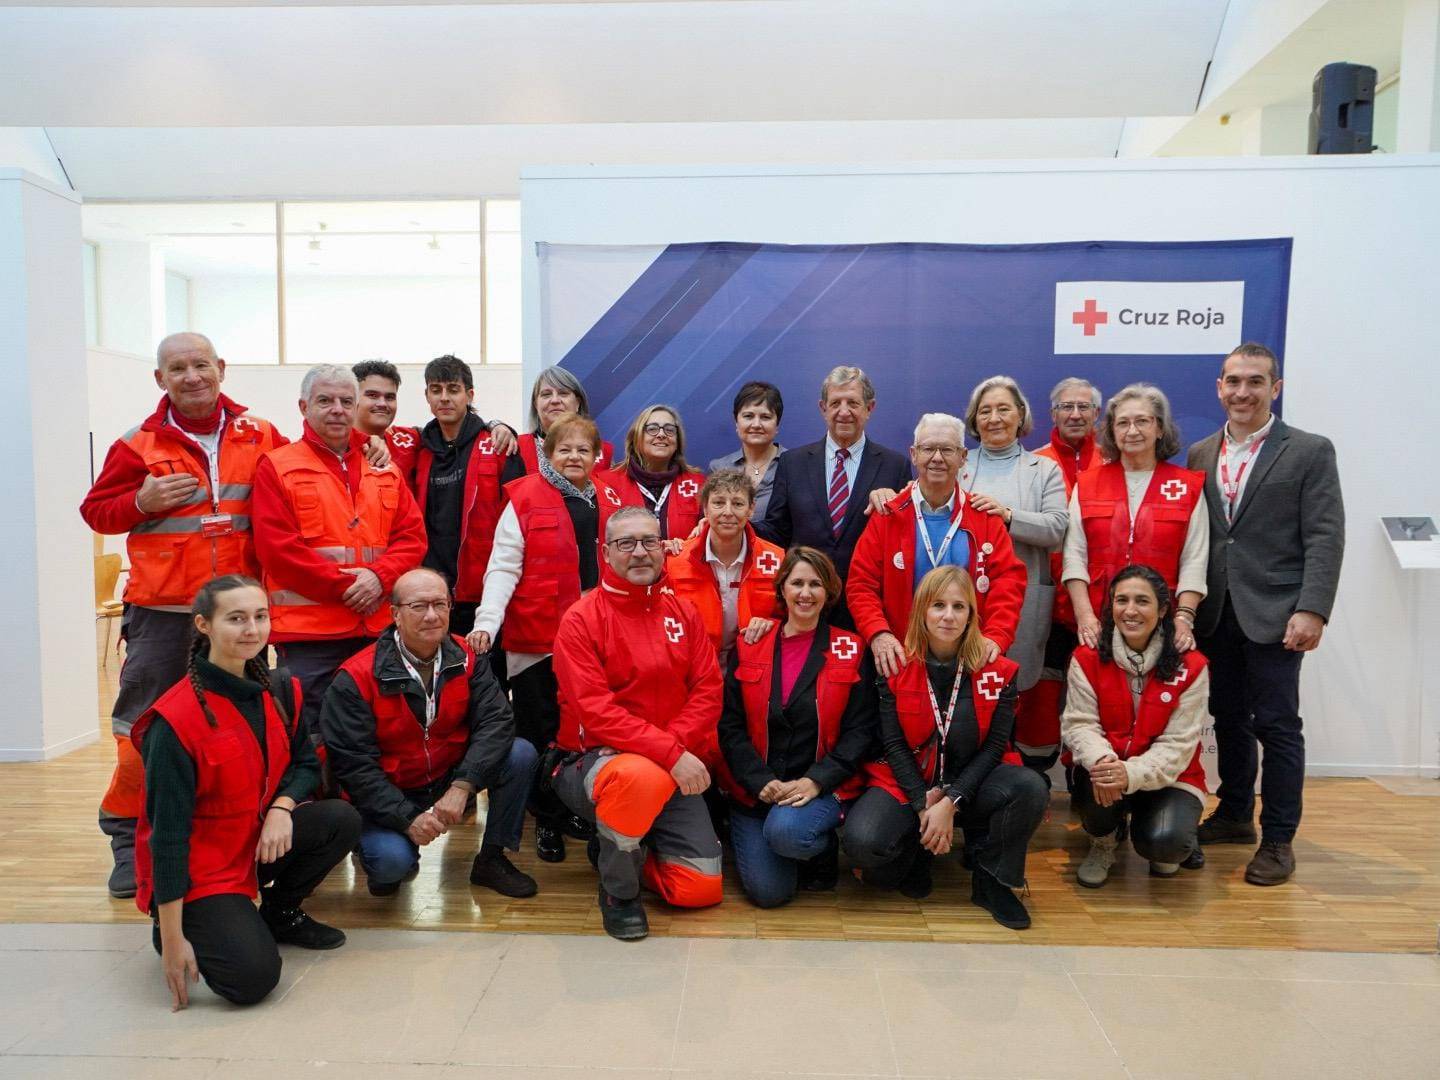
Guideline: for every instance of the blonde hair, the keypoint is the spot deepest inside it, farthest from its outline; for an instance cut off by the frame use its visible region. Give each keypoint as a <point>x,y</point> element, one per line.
<point>931,587</point>
<point>637,429</point>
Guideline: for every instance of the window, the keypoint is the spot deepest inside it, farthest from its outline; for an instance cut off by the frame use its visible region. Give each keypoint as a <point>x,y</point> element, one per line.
<point>347,281</point>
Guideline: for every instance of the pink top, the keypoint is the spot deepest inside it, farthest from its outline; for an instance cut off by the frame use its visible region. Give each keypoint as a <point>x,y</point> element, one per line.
<point>793,652</point>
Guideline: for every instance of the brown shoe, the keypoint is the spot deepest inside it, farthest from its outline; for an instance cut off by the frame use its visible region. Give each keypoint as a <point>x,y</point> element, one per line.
<point>1272,865</point>
<point>1218,830</point>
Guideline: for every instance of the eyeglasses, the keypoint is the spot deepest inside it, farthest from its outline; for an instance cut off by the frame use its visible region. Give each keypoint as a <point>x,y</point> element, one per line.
<point>929,450</point>
<point>421,608</point>
<point>662,429</point>
<point>1139,423</point>
<point>627,544</point>
<point>1073,406</point>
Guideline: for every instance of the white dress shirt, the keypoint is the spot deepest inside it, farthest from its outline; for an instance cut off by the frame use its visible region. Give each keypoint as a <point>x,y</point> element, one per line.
<point>1231,455</point>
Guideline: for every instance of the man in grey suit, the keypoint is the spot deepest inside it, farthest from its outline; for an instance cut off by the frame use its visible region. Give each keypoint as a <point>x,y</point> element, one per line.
<point>1277,536</point>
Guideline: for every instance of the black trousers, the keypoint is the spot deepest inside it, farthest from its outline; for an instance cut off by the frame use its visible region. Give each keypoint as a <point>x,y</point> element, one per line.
<point>882,835</point>
<point>1255,700</point>
<point>1162,823</point>
<point>535,699</point>
<point>314,663</point>
<point>234,949</point>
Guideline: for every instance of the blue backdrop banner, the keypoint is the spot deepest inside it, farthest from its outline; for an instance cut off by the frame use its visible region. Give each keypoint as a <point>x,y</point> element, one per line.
<point>689,324</point>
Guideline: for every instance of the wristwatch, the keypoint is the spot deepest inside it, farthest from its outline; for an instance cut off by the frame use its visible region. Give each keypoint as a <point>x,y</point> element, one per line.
<point>957,799</point>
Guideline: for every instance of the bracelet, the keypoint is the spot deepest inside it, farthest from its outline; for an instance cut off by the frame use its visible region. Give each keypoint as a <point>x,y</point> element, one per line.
<point>1185,617</point>
<point>284,809</point>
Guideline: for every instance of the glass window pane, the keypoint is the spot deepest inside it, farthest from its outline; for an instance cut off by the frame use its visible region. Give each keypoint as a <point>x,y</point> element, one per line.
<point>208,267</point>
<point>502,281</point>
<point>398,281</point>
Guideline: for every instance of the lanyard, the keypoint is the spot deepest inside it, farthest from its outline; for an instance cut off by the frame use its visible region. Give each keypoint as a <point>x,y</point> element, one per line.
<point>924,532</point>
<point>657,503</point>
<point>433,693</point>
<point>942,723</point>
<point>1232,491</point>
<point>212,461</point>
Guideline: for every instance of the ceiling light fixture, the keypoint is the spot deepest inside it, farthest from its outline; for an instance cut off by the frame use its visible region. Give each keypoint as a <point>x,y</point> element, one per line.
<point>434,244</point>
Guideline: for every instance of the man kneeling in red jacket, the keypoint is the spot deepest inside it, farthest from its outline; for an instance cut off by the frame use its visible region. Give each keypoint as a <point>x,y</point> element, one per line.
<point>640,696</point>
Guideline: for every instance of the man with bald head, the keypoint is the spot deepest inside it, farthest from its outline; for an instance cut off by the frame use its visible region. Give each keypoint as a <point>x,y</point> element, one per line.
<point>414,727</point>
<point>179,484</point>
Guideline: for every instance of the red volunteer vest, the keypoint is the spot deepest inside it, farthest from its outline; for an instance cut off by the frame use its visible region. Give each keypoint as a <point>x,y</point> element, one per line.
<point>693,580</point>
<point>410,755</point>
<point>682,505</point>
<point>1129,732</point>
<point>1157,535</point>
<point>755,670</point>
<point>528,446</point>
<point>403,444</point>
<point>483,503</point>
<point>1072,464</point>
<point>917,719</point>
<point>550,576</point>
<point>234,786</point>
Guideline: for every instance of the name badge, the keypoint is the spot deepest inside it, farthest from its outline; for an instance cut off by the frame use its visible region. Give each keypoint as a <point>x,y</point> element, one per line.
<point>213,525</point>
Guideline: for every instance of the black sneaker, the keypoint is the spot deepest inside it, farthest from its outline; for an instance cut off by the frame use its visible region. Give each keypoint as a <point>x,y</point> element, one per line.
<point>624,919</point>
<point>499,873</point>
<point>577,828</point>
<point>1218,830</point>
<point>293,927</point>
<point>918,881</point>
<point>390,888</point>
<point>1195,860</point>
<point>549,844</point>
<point>1004,906</point>
<point>821,873</point>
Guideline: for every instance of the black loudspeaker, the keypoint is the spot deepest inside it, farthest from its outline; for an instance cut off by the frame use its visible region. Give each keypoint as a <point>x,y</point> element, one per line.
<point>1342,111</point>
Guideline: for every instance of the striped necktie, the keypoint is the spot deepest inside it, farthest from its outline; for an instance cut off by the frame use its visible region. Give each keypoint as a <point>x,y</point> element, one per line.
<point>839,491</point>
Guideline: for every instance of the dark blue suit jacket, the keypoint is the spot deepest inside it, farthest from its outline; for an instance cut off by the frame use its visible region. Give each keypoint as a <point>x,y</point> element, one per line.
<point>799,511</point>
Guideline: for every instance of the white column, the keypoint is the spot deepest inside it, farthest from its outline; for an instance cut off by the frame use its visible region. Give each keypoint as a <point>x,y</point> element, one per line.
<point>47,593</point>
<point>131,296</point>
<point>1418,123</point>
<point>1283,128</point>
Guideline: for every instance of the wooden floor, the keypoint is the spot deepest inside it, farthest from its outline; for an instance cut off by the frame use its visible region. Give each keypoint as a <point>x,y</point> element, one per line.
<point>1368,880</point>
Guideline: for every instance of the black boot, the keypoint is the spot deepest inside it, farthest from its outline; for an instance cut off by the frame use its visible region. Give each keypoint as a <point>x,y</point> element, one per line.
<point>918,882</point>
<point>577,828</point>
<point>549,843</point>
<point>1003,905</point>
<point>822,872</point>
<point>492,870</point>
<point>291,926</point>
<point>624,919</point>
<point>121,832</point>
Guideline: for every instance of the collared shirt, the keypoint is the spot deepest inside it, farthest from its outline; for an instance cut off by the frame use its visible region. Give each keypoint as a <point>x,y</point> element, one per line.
<point>727,580</point>
<point>935,520</point>
<point>1233,453</point>
<point>852,465</point>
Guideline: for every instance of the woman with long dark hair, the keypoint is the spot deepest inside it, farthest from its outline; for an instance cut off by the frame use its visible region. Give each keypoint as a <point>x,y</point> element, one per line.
<point>229,768</point>
<point>1135,706</point>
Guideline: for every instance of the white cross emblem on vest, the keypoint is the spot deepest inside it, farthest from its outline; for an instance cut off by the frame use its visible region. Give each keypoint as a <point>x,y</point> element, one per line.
<point>768,563</point>
<point>1174,489</point>
<point>402,439</point>
<point>486,445</point>
<point>243,424</point>
<point>990,685</point>
<point>1180,676</point>
<point>844,648</point>
<point>688,487</point>
<point>611,497</point>
<point>674,630</point>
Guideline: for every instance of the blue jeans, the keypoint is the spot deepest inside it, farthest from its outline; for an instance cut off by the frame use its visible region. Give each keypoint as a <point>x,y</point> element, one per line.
<point>387,855</point>
<point>770,848</point>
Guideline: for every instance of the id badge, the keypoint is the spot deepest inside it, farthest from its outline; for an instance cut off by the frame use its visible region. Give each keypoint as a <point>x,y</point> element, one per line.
<point>213,525</point>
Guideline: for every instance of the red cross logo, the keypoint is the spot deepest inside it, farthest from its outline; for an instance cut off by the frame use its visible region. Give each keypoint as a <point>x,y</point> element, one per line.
<point>611,497</point>
<point>1090,318</point>
<point>402,438</point>
<point>990,685</point>
<point>844,648</point>
<point>243,424</point>
<point>486,446</point>
<point>674,630</point>
<point>1174,490</point>
<point>1180,676</point>
<point>688,488</point>
<point>768,563</point>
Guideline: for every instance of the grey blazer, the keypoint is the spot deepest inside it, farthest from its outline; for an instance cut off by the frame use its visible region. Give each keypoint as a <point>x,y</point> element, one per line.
<point>763,489</point>
<point>1036,529</point>
<point>1282,552</point>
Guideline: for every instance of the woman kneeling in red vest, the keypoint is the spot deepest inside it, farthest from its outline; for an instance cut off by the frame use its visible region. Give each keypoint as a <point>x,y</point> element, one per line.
<point>948,764</point>
<point>228,765</point>
<point>799,718</point>
<point>1133,714</point>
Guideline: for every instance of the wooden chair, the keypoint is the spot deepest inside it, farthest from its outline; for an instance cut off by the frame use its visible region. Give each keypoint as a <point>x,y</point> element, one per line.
<point>107,574</point>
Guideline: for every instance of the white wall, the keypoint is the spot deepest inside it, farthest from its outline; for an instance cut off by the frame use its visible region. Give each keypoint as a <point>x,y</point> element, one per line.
<point>1363,324</point>
<point>28,148</point>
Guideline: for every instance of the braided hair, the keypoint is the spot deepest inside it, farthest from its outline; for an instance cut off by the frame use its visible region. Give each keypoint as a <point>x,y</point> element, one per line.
<point>206,600</point>
<point>1168,662</point>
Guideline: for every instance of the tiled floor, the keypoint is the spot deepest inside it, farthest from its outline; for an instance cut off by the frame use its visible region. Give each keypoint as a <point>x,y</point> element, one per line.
<point>89,1001</point>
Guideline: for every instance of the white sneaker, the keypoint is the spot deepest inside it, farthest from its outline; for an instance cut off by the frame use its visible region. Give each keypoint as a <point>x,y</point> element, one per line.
<point>1164,869</point>
<point>1095,870</point>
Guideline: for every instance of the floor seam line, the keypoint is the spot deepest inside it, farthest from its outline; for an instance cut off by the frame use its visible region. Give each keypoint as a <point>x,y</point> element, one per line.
<point>1103,1033</point>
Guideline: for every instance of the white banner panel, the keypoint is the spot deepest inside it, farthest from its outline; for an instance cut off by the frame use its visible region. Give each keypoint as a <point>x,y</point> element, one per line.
<point>1148,317</point>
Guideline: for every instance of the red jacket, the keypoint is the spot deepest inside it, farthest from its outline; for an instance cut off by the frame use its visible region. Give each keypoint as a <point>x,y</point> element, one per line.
<point>170,556</point>
<point>1131,733</point>
<point>682,506</point>
<point>755,672</point>
<point>1072,463</point>
<point>234,786</point>
<point>693,580</point>
<point>289,561</point>
<point>550,576</point>
<point>882,581</point>
<point>483,503</point>
<point>1157,536</point>
<point>403,444</point>
<point>637,673</point>
<point>528,447</point>
<point>917,719</point>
